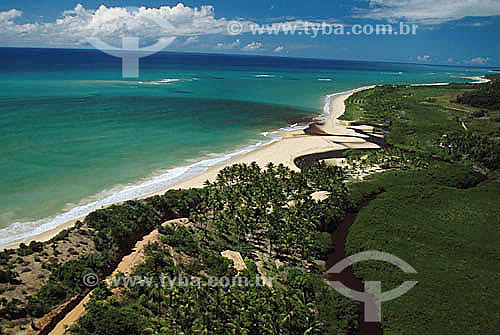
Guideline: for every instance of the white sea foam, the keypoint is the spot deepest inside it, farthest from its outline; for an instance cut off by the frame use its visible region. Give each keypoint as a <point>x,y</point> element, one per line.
<point>328,100</point>
<point>19,231</point>
<point>325,79</point>
<point>166,81</point>
<point>432,84</point>
<point>476,79</point>
<point>264,76</point>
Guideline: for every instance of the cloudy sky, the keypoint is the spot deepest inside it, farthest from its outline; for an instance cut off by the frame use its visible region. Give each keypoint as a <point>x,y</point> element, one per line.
<point>463,32</point>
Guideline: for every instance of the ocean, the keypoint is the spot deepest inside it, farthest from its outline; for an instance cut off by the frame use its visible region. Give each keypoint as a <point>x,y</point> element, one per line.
<point>75,135</point>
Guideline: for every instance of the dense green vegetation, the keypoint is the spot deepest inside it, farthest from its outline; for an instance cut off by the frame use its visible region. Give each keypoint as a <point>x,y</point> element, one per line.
<point>414,122</point>
<point>442,216</point>
<point>436,208</point>
<point>472,148</point>
<point>266,215</point>
<point>115,231</point>
<point>216,310</point>
<point>25,250</point>
<point>419,123</point>
<point>444,223</point>
<point>487,96</point>
<point>7,276</point>
<point>274,205</point>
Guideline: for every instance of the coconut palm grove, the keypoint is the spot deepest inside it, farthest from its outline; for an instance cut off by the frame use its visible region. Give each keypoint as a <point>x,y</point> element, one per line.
<point>430,195</point>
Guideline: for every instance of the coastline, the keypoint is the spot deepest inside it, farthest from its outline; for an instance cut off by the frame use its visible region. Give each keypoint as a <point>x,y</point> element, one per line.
<point>477,79</point>
<point>288,145</point>
<point>283,149</point>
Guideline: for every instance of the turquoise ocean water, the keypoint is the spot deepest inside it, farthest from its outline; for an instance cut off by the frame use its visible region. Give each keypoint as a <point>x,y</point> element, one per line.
<point>75,136</point>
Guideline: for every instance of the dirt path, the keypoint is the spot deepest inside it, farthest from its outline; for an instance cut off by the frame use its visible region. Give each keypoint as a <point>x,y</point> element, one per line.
<point>126,266</point>
<point>71,317</point>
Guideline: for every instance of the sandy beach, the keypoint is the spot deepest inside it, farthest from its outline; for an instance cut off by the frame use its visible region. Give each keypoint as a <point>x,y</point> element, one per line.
<point>477,80</point>
<point>284,151</point>
<point>292,145</point>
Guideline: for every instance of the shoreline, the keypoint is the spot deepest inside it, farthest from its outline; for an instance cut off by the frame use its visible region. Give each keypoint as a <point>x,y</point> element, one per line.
<point>289,144</point>
<point>477,79</point>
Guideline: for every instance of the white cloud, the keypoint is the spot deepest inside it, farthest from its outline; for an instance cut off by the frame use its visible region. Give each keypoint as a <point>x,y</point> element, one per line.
<point>113,23</point>
<point>423,58</point>
<point>253,46</point>
<point>279,49</point>
<point>233,45</point>
<point>9,15</point>
<point>428,11</point>
<point>479,60</point>
<point>192,40</point>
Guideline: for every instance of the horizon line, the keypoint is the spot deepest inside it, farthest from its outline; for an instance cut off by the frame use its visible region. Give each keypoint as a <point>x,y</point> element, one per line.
<point>490,67</point>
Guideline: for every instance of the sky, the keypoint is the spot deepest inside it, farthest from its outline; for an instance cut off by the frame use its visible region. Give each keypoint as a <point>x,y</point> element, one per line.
<point>454,32</point>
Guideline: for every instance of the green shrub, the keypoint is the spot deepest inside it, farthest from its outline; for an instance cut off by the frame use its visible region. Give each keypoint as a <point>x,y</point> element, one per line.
<point>117,229</point>
<point>4,258</point>
<point>487,96</point>
<point>7,276</point>
<point>176,203</point>
<point>468,146</point>
<point>479,114</point>
<point>218,266</point>
<point>323,245</point>
<point>102,319</point>
<point>26,250</point>
<point>78,224</point>
<point>120,226</point>
<point>181,239</point>
<point>50,295</point>
<point>62,235</point>
<point>13,310</point>
<point>66,280</point>
<point>251,270</point>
